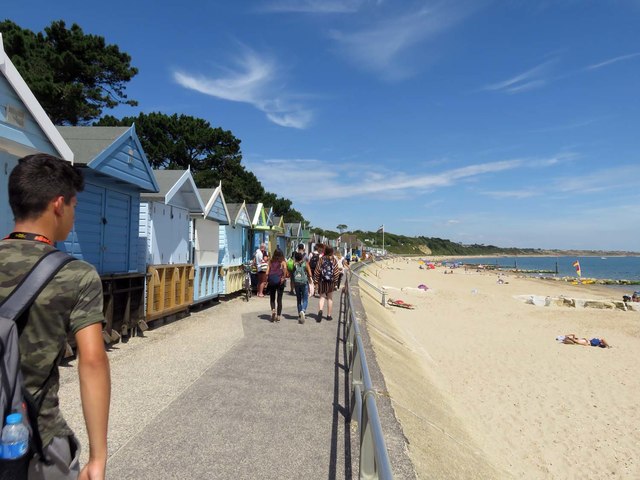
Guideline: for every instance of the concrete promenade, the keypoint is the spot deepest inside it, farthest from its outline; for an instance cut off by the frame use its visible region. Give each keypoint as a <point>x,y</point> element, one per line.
<point>224,393</point>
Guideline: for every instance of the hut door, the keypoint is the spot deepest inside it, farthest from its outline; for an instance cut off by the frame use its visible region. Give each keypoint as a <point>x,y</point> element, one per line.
<point>116,232</point>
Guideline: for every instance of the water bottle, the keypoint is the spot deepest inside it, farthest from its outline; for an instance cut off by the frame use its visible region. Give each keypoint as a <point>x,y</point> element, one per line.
<point>15,437</point>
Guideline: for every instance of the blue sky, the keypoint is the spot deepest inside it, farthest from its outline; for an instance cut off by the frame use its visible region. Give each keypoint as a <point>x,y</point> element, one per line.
<point>512,123</point>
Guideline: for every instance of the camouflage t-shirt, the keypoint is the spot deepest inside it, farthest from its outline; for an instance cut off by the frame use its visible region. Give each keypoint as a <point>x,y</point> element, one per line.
<point>70,302</point>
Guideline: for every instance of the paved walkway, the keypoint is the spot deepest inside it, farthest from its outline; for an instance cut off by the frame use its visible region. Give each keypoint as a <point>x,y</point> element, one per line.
<point>225,393</point>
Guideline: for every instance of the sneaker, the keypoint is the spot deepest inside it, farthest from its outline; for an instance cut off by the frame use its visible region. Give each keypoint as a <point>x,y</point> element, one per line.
<point>273,317</point>
<point>278,318</point>
<point>301,319</point>
<point>319,319</point>
<point>329,317</point>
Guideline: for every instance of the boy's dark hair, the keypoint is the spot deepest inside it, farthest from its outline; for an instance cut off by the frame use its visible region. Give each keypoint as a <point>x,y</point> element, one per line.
<point>301,246</point>
<point>37,180</point>
<point>320,247</point>
<point>328,251</point>
<point>298,256</point>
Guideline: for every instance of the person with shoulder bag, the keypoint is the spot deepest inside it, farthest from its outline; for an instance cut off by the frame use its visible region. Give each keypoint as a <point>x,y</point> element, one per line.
<point>42,196</point>
<point>277,274</point>
<point>302,275</point>
<point>325,277</point>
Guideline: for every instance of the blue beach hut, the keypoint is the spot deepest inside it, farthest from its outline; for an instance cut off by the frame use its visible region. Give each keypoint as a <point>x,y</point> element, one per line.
<point>238,246</point>
<point>25,129</point>
<point>106,229</point>
<point>259,225</point>
<point>209,250</point>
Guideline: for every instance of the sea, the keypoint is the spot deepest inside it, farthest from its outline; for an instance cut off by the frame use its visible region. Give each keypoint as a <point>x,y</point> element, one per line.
<point>608,268</point>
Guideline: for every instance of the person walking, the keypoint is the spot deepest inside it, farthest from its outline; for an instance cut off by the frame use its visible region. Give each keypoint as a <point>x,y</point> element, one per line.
<point>42,196</point>
<point>291,264</point>
<point>301,277</point>
<point>261,258</point>
<point>325,277</point>
<point>277,274</point>
<point>340,262</point>
<point>314,260</point>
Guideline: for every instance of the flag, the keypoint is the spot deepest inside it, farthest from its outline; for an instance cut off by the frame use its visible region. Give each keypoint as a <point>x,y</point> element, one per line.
<point>577,265</point>
<point>381,229</point>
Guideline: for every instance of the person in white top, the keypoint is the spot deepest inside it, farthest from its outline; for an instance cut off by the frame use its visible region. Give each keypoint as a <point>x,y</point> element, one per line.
<point>261,265</point>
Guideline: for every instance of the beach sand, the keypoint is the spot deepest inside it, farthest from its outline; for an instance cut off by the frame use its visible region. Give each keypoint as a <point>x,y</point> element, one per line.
<point>483,389</point>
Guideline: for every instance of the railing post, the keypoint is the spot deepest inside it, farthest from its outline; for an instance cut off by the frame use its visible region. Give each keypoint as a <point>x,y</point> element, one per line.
<point>384,297</point>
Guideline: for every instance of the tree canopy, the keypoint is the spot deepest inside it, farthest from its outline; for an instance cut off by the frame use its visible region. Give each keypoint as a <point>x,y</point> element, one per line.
<point>177,142</point>
<point>73,75</point>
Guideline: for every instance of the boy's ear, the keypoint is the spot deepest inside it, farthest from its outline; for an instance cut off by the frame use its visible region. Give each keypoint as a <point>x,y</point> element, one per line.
<point>58,205</point>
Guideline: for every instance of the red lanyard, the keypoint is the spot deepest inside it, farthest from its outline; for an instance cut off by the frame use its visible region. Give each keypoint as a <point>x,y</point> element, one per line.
<point>28,236</point>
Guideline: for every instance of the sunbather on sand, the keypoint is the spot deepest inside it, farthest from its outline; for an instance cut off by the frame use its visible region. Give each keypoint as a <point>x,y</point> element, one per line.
<point>571,339</point>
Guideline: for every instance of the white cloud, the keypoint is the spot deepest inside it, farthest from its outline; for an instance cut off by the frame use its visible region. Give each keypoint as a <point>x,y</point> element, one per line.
<point>378,47</point>
<point>314,6</point>
<point>613,179</point>
<point>335,181</point>
<point>523,82</point>
<point>524,193</point>
<point>255,81</point>
<point>613,60</point>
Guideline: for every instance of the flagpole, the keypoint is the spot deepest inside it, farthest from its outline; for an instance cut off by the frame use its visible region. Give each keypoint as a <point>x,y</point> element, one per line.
<point>383,239</point>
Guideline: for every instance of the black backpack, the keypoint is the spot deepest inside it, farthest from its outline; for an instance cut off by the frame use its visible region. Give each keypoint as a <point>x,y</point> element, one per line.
<point>313,261</point>
<point>13,396</point>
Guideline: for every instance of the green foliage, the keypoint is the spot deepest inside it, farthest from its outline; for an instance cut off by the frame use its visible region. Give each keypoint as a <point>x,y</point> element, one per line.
<point>342,227</point>
<point>404,245</point>
<point>73,75</point>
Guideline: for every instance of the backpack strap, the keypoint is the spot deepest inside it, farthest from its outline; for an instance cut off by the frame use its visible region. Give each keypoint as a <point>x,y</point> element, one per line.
<point>31,285</point>
<point>14,308</point>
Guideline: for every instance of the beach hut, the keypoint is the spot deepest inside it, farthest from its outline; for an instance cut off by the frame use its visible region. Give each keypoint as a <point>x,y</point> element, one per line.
<point>106,229</point>
<point>279,235</point>
<point>165,230</point>
<point>165,217</point>
<point>259,225</point>
<point>210,248</point>
<point>238,246</point>
<point>25,129</point>
<point>295,235</point>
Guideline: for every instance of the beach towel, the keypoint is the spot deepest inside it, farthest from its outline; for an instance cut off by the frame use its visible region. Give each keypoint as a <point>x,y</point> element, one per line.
<point>400,303</point>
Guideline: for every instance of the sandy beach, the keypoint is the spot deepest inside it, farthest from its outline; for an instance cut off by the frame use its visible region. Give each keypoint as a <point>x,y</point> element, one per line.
<point>483,389</point>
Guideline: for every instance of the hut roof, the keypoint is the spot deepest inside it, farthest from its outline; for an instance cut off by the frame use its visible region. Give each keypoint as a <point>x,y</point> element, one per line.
<point>88,142</point>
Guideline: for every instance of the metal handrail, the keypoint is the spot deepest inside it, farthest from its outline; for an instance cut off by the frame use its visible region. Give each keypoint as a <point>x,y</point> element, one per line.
<point>374,460</point>
<point>381,291</point>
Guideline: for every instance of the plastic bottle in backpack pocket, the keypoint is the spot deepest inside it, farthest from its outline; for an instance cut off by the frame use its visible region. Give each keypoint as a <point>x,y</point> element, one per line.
<point>15,437</point>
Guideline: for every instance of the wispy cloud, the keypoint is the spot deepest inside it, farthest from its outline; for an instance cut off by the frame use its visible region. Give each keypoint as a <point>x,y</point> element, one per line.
<point>255,80</point>
<point>523,82</point>
<point>313,6</point>
<point>337,181</point>
<point>524,193</point>
<point>613,179</point>
<point>379,47</point>
<point>613,60</point>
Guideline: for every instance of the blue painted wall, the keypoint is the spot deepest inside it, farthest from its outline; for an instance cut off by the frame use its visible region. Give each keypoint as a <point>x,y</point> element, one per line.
<point>30,135</point>
<point>125,160</point>
<point>26,139</point>
<point>107,216</point>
